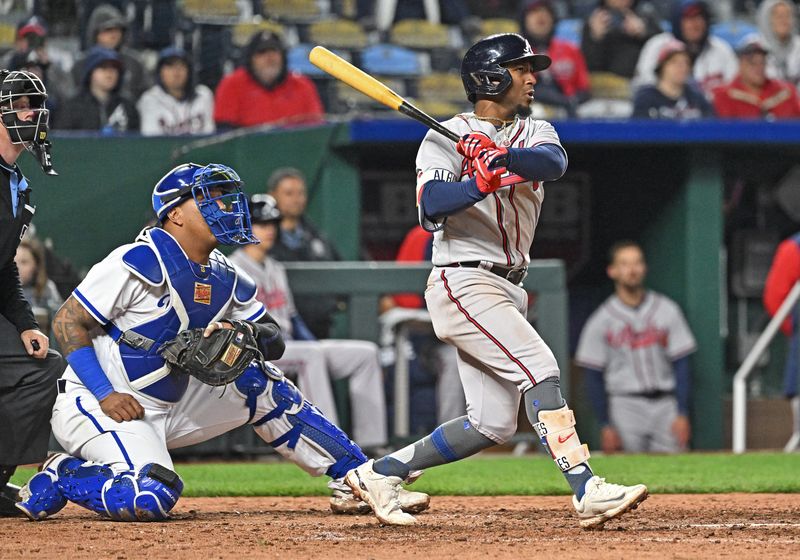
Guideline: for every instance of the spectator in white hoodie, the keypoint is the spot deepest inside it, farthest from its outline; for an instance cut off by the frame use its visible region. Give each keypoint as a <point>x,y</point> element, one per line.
<point>777,23</point>
<point>175,106</point>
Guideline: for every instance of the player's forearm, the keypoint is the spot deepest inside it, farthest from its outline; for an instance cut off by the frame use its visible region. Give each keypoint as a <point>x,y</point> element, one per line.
<point>443,198</point>
<point>71,327</point>
<point>546,162</point>
<point>596,389</point>
<point>269,337</point>
<point>683,384</point>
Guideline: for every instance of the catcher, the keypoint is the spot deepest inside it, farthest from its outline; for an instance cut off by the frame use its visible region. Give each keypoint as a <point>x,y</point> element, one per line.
<point>148,335</point>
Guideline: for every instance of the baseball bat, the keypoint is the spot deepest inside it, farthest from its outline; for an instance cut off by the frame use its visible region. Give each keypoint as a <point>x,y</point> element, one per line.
<point>359,80</point>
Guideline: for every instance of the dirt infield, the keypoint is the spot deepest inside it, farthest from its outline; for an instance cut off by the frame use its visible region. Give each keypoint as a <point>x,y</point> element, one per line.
<point>678,526</point>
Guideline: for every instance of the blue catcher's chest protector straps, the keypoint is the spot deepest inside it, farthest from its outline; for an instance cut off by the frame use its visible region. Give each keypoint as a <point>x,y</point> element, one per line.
<point>204,293</point>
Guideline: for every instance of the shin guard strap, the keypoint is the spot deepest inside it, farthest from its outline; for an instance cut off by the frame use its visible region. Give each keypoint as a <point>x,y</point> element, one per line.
<point>556,429</point>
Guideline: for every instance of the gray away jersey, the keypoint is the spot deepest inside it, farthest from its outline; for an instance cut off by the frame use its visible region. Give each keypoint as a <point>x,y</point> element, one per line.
<point>635,347</point>
<point>500,227</point>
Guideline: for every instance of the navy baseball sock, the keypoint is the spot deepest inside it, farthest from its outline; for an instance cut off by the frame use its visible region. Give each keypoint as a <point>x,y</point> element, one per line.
<point>449,442</point>
<point>546,395</point>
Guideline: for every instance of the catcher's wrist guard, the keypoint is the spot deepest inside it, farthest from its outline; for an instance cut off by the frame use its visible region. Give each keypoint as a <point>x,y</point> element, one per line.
<point>216,359</point>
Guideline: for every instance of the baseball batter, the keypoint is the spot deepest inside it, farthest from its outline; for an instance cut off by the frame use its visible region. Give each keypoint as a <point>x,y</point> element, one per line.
<point>635,348</point>
<point>482,198</point>
<point>121,407</point>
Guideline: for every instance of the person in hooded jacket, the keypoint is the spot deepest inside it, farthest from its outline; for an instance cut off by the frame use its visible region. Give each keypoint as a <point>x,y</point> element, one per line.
<point>263,91</point>
<point>100,105</point>
<point>614,34</point>
<point>175,105</point>
<point>713,60</point>
<point>107,28</point>
<point>566,83</point>
<point>777,24</point>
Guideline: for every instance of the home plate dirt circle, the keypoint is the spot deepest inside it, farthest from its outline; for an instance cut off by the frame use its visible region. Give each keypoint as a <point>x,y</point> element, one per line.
<point>665,526</point>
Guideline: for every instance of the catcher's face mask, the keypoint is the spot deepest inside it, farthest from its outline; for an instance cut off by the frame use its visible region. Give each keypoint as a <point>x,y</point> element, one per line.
<point>217,190</point>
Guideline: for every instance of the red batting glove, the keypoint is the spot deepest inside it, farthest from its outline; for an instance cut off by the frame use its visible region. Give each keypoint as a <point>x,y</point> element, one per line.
<point>473,143</point>
<point>486,176</point>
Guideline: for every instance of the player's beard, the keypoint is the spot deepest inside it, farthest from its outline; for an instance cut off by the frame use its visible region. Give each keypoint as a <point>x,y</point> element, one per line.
<point>524,110</point>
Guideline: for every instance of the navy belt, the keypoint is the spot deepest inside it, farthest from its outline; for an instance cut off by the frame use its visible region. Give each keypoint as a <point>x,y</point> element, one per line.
<point>647,394</point>
<point>513,275</point>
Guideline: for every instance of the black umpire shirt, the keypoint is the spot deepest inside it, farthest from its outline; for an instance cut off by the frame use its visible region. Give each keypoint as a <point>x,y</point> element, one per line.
<point>13,305</point>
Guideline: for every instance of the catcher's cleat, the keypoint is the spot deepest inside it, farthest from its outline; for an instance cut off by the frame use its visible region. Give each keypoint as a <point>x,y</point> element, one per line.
<point>343,502</point>
<point>41,497</point>
<point>604,501</point>
<point>380,492</point>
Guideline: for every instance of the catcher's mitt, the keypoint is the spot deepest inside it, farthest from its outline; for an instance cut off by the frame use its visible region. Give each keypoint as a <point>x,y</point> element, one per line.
<point>218,359</point>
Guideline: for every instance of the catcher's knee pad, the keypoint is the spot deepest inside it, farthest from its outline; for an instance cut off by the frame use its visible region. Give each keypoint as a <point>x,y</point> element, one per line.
<point>556,429</point>
<point>148,495</point>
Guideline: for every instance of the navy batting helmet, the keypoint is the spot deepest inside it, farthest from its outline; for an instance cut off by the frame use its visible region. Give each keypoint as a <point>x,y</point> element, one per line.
<point>264,209</point>
<point>483,69</point>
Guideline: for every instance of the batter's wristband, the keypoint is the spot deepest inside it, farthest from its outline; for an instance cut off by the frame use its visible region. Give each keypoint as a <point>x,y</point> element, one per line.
<point>85,364</point>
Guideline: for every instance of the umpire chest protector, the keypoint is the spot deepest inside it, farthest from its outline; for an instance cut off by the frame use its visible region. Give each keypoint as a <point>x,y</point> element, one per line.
<point>198,295</point>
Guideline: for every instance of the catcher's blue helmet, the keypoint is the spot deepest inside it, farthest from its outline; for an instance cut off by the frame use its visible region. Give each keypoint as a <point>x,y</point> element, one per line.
<point>483,70</point>
<point>226,214</point>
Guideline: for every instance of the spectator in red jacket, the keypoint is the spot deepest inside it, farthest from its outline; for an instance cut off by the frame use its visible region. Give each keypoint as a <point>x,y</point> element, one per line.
<point>783,274</point>
<point>566,83</point>
<point>263,91</point>
<point>752,94</point>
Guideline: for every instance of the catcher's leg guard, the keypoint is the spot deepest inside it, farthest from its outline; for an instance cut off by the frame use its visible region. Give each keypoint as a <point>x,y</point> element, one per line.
<point>148,495</point>
<point>296,428</point>
<point>556,429</point>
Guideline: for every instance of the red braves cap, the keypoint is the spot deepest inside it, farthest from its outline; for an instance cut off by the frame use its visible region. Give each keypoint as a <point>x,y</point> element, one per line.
<point>669,49</point>
<point>32,25</point>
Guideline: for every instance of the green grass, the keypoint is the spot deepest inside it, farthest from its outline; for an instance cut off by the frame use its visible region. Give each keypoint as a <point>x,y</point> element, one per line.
<point>695,473</point>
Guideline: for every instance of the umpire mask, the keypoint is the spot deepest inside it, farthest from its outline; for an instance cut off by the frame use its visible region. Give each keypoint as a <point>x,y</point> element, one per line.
<point>23,92</point>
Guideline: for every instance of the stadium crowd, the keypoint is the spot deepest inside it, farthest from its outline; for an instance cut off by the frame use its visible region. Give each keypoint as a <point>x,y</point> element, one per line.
<point>185,67</point>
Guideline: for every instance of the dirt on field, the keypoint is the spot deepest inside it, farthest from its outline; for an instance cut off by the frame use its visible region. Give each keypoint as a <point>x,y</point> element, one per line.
<point>669,526</point>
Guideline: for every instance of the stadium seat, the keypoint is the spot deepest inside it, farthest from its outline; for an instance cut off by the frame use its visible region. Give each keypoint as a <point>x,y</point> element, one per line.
<point>297,60</point>
<point>420,34</point>
<point>337,33</point>
<point>242,32</point>
<point>492,26</point>
<point>292,10</point>
<point>210,9</point>
<point>570,30</point>
<point>606,85</point>
<point>391,60</point>
<point>8,34</point>
<point>441,86</point>
<point>733,31</point>
<point>347,99</point>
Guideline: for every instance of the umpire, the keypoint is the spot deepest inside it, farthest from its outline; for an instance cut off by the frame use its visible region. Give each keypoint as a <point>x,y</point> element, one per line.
<point>28,369</point>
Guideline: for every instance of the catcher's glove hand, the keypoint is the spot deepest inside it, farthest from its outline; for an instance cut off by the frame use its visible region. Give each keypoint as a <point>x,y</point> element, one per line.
<point>217,359</point>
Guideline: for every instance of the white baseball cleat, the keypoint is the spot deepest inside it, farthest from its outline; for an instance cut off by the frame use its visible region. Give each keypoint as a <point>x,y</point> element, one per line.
<point>603,501</point>
<point>343,502</point>
<point>380,492</point>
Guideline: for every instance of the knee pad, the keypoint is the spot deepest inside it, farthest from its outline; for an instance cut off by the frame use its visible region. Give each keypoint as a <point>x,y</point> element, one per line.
<point>146,496</point>
<point>301,433</point>
<point>556,429</point>
<point>251,384</point>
